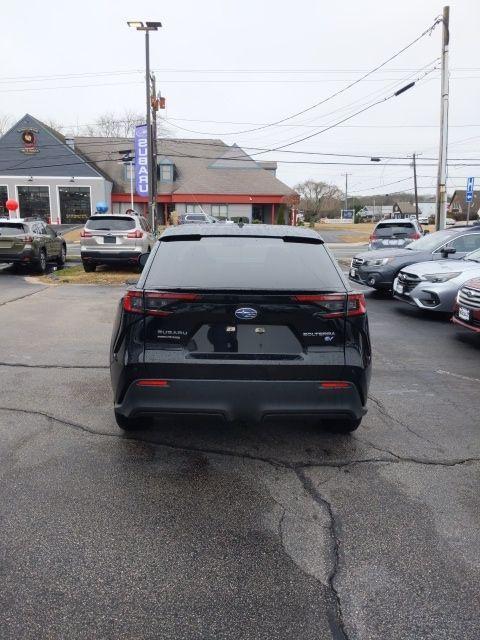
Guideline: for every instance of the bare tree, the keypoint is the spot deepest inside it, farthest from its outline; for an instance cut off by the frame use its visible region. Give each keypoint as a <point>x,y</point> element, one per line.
<point>318,197</point>
<point>5,123</point>
<point>111,125</point>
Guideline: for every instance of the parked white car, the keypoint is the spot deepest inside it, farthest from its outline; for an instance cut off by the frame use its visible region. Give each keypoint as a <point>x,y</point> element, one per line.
<point>114,239</point>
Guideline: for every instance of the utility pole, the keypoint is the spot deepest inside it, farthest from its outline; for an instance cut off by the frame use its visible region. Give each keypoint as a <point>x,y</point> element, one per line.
<point>415,183</point>
<point>153,107</point>
<point>346,192</point>
<point>442,155</point>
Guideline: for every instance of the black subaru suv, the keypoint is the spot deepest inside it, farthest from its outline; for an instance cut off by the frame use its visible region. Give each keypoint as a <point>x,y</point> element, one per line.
<point>241,321</point>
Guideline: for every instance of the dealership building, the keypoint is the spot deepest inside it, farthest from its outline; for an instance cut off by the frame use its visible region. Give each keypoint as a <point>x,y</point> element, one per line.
<point>47,176</point>
<point>61,179</point>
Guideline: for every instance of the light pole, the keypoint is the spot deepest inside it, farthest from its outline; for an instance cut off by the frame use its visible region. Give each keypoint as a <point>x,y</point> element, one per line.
<point>147,27</point>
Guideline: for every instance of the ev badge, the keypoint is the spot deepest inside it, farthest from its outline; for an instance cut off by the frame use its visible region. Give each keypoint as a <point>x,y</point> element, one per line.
<point>245,313</point>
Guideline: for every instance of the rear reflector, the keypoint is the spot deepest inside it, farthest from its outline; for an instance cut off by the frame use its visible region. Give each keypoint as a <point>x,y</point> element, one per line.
<point>152,383</point>
<point>334,384</point>
<point>335,305</point>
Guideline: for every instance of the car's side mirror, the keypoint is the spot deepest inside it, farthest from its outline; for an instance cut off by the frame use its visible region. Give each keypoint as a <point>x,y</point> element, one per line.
<point>142,260</point>
<point>446,251</point>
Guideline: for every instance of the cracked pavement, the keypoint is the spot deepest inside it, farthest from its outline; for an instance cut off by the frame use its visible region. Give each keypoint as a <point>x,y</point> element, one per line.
<point>196,529</point>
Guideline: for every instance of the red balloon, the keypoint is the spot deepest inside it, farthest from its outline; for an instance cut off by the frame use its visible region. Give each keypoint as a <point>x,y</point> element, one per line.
<point>12,205</point>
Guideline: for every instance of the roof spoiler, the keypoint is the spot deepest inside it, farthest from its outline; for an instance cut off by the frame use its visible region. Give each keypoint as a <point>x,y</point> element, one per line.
<point>191,237</point>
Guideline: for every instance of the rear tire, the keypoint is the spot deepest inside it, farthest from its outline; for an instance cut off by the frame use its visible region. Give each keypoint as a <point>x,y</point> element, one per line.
<point>89,267</point>
<point>62,257</point>
<point>131,424</point>
<point>42,262</point>
<point>342,426</point>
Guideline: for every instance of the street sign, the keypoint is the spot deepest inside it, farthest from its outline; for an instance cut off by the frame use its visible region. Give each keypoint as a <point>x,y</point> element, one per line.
<point>347,214</point>
<point>469,193</point>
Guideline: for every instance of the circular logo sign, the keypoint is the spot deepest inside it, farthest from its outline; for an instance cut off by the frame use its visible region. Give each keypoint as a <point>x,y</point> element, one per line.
<point>28,138</point>
<point>246,313</point>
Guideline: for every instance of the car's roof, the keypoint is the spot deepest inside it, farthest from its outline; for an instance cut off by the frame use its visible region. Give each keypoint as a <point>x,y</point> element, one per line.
<point>242,230</point>
<point>396,221</point>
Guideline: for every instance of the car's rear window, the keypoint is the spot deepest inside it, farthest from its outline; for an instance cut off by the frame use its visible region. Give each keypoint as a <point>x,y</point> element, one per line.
<point>390,230</point>
<point>110,223</point>
<point>195,217</point>
<point>243,263</point>
<point>11,229</point>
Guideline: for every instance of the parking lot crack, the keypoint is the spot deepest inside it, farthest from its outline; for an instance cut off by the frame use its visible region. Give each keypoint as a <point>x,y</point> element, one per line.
<point>244,455</point>
<point>335,618</point>
<point>386,414</point>
<point>27,295</point>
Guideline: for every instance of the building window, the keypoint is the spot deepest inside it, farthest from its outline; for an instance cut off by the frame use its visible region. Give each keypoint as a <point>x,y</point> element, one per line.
<point>3,199</point>
<point>75,206</point>
<point>220,210</point>
<point>34,202</point>
<point>194,208</point>
<point>166,172</point>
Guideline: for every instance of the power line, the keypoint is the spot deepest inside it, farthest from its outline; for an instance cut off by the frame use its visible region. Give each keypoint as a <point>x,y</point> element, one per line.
<point>343,89</point>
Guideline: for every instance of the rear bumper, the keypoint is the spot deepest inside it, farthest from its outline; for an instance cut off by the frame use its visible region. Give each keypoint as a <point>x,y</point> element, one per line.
<point>25,256</point>
<point>242,399</point>
<point>107,256</point>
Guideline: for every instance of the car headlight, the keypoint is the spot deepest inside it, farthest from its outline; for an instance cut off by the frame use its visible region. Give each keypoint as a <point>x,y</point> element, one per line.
<point>440,277</point>
<point>377,262</point>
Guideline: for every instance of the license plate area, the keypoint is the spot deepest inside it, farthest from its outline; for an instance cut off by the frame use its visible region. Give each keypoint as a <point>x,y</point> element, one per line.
<point>109,240</point>
<point>464,314</point>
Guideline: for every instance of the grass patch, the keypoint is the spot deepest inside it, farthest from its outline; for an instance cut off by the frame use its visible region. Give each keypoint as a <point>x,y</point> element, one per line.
<point>103,275</point>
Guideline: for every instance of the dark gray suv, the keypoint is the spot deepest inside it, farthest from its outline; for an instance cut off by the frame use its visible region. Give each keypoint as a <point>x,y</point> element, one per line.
<point>379,268</point>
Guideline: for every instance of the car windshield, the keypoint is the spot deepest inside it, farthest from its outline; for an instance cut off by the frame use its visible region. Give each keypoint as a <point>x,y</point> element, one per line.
<point>384,230</point>
<point>110,223</point>
<point>11,229</point>
<point>243,263</point>
<point>431,241</point>
<point>474,255</point>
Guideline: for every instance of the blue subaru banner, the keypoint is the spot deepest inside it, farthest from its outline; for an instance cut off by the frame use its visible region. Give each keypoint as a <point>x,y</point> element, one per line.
<point>469,193</point>
<point>141,160</point>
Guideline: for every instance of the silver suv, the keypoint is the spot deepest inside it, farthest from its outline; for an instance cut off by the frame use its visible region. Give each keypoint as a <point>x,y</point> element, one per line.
<point>109,239</point>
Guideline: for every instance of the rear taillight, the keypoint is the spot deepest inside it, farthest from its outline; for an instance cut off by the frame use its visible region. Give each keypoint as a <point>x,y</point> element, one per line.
<point>356,304</point>
<point>335,305</point>
<point>85,234</point>
<point>133,302</point>
<point>28,238</point>
<point>155,303</point>
<point>135,234</point>
<point>373,237</point>
<point>415,235</point>
<point>160,303</point>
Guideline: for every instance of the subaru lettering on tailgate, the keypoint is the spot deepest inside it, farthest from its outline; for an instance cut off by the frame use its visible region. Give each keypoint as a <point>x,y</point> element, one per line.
<point>245,313</point>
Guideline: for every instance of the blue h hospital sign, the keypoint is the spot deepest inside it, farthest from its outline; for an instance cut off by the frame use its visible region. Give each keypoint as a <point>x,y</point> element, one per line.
<point>141,160</point>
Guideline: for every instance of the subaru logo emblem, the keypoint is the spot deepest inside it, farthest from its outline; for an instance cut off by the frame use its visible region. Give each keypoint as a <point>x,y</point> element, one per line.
<point>245,313</point>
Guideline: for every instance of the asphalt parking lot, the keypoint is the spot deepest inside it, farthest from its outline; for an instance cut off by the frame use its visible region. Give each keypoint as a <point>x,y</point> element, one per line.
<point>199,530</point>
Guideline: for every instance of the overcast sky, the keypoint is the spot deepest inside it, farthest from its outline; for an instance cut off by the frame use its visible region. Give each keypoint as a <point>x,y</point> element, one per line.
<point>224,64</point>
